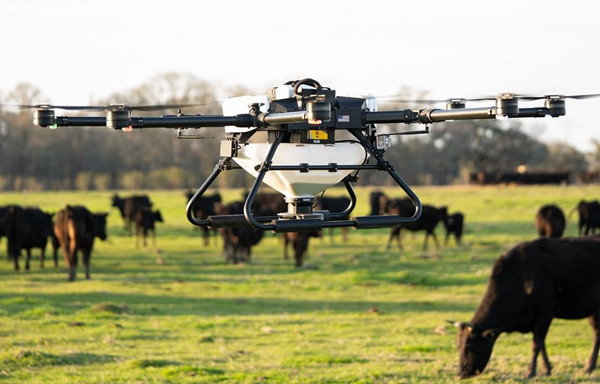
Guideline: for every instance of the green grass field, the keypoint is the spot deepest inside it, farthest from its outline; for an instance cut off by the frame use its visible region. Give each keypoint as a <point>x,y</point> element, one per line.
<point>356,313</point>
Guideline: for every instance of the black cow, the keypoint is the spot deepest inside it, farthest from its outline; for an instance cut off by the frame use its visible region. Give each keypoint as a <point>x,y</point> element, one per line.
<point>589,216</point>
<point>454,225</point>
<point>530,285</point>
<point>550,221</point>
<point>299,241</point>
<point>268,204</point>
<point>375,198</point>
<point>76,228</point>
<point>27,228</point>
<point>145,219</point>
<point>237,241</point>
<point>204,207</point>
<point>335,204</point>
<point>128,206</point>
<point>3,212</point>
<point>430,217</point>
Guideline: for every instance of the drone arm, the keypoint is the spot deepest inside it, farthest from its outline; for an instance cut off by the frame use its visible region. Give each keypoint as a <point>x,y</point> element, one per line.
<point>428,116</point>
<point>72,121</point>
<point>282,117</point>
<point>244,120</point>
<point>406,116</point>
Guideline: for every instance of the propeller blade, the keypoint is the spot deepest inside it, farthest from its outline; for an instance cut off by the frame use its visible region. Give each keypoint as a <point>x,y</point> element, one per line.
<point>51,106</point>
<point>158,107</point>
<point>558,96</point>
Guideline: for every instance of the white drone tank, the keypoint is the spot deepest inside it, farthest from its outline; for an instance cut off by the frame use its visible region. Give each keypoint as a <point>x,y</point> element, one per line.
<point>292,184</point>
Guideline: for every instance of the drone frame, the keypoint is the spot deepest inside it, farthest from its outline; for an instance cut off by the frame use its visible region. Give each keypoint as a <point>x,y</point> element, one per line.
<point>311,106</point>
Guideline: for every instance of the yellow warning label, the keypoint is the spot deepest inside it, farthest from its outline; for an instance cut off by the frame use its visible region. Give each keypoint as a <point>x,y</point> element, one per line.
<point>316,134</point>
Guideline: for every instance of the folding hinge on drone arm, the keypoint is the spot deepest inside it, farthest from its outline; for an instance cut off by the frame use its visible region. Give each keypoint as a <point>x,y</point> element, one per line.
<point>301,139</point>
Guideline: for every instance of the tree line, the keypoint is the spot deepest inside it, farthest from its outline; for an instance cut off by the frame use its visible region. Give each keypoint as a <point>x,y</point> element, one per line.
<point>34,158</point>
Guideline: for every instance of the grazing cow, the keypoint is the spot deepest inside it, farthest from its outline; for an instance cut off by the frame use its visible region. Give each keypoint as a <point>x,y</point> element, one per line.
<point>27,228</point>
<point>589,216</point>
<point>454,225</point>
<point>530,285</point>
<point>145,219</point>
<point>128,206</point>
<point>237,241</point>
<point>76,228</point>
<point>335,204</point>
<point>299,241</point>
<point>550,221</point>
<point>430,217</point>
<point>204,207</point>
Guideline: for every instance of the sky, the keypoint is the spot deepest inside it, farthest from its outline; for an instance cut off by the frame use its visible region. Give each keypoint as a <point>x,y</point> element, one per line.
<point>76,51</point>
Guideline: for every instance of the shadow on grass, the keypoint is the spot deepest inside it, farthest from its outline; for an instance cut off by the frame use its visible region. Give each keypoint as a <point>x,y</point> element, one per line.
<point>31,359</point>
<point>172,305</point>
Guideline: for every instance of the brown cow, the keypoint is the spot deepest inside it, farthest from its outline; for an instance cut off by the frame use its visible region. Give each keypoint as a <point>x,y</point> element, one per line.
<point>76,228</point>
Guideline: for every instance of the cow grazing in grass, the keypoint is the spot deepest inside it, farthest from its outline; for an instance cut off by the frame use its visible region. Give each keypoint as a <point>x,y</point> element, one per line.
<point>335,205</point>
<point>530,285</point>
<point>128,206</point>
<point>27,228</point>
<point>550,221</point>
<point>76,228</point>
<point>589,216</point>
<point>204,207</point>
<point>145,219</point>
<point>454,226</point>
<point>430,217</point>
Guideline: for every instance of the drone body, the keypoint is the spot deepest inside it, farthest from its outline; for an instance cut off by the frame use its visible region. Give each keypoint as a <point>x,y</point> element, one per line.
<point>301,139</point>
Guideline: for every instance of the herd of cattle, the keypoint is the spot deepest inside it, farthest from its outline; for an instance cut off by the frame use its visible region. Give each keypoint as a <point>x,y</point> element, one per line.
<point>73,229</point>
<point>534,282</point>
<point>238,242</point>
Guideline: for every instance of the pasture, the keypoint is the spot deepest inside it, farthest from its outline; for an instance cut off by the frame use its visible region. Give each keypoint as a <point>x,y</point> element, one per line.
<point>355,313</point>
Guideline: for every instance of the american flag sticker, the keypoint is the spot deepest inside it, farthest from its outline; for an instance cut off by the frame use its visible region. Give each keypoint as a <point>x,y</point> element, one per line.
<point>343,118</point>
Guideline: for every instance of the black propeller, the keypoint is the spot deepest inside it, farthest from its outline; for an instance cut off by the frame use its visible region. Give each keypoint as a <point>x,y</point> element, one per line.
<point>110,107</point>
<point>526,97</point>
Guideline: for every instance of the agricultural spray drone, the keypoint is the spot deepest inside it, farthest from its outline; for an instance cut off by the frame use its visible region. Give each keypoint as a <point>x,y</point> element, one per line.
<point>301,139</point>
